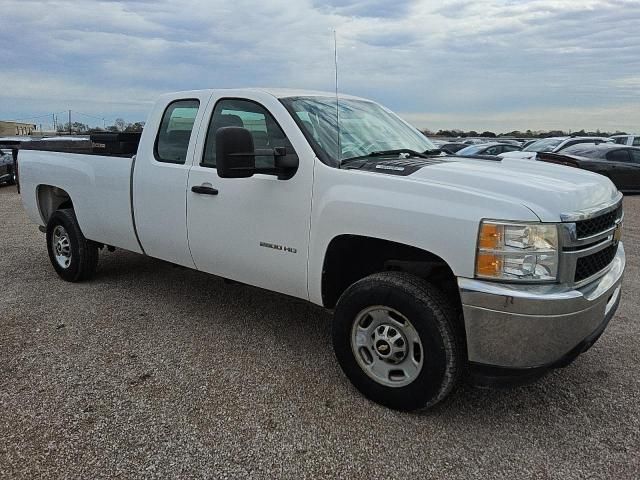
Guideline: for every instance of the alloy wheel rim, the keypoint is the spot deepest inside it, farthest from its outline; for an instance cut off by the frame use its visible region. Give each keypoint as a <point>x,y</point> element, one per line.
<point>61,246</point>
<point>387,346</point>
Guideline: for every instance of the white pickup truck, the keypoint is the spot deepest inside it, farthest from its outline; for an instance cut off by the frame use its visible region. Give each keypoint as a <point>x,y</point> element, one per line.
<point>435,266</point>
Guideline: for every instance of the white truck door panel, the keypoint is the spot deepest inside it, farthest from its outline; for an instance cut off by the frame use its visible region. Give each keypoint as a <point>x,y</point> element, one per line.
<point>161,175</point>
<point>254,230</point>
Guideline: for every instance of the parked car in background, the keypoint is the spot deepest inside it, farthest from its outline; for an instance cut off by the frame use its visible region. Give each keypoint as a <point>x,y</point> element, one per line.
<point>527,143</point>
<point>487,149</point>
<point>473,141</point>
<point>510,141</point>
<point>552,145</point>
<point>452,147</point>
<point>7,173</point>
<point>621,164</point>
<point>633,140</point>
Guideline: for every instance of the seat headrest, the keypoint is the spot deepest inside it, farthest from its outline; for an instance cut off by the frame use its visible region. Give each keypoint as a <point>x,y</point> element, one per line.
<point>229,120</point>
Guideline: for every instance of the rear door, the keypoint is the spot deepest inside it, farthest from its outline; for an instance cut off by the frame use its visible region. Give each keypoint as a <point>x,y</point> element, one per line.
<point>254,230</point>
<point>634,177</point>
<point>622,168</point>
<point>161,173</point>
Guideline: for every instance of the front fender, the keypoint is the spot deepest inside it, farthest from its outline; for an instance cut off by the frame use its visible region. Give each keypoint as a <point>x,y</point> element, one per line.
<point>436,218</point>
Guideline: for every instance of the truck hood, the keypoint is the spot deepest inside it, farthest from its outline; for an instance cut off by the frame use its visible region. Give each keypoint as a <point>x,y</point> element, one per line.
<point>548,190</point>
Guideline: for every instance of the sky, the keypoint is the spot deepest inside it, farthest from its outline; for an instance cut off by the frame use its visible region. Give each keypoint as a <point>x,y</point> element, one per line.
<point>484,64</point>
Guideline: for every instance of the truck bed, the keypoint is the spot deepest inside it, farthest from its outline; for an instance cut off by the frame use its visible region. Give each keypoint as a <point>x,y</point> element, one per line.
<point>99,185</point>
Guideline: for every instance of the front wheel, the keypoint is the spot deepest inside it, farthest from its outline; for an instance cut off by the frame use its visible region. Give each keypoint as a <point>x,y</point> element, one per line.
<point>73,257</point>
<point>12,176</point>
<point>395,338</point>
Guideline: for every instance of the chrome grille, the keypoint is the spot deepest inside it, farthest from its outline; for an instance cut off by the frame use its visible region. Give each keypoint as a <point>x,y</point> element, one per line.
<point>588,243</point>
<point>591,264</point>
<point>598,224</point>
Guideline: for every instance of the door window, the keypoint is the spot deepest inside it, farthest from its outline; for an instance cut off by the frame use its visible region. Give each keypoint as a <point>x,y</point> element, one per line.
<point>621,140</point>
<point>618,156</point>
<point>492,151</point>
<point>635,156</point>
<point>265,131</point>
<point>176,126</point>
<point>636,141</point>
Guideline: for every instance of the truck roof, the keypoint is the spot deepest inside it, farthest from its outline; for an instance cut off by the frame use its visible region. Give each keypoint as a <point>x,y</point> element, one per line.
<point>276,92</point>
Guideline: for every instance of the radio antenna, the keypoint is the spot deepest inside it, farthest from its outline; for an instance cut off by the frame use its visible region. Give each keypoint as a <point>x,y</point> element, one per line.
<point>335,62</point>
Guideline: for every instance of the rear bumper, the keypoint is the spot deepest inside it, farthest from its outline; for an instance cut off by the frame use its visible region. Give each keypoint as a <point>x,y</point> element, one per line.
<point>526,329</point>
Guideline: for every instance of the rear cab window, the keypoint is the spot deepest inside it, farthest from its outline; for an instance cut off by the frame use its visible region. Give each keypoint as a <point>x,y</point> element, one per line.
<point>176,126</point>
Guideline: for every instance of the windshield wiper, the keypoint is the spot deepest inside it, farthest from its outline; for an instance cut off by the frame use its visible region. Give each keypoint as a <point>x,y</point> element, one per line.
<point>398,151</point>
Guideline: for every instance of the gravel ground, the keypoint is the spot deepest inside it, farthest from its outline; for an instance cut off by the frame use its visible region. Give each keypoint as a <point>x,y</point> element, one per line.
<point>156,371</point>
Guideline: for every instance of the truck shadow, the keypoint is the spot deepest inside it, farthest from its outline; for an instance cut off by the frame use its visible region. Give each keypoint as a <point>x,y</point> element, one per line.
<point>298,335</point>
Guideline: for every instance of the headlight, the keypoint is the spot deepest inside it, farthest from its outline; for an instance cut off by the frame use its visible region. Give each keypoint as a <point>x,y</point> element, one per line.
<point>517,252</point>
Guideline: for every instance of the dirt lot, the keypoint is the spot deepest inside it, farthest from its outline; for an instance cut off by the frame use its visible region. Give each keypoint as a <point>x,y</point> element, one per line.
<point>155,371</point>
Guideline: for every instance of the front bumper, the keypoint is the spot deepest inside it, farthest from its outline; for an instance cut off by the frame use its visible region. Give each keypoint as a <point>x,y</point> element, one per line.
<point>533,327</point>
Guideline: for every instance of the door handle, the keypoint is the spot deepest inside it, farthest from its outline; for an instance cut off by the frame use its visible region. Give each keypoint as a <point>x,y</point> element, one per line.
<point>204,190</point>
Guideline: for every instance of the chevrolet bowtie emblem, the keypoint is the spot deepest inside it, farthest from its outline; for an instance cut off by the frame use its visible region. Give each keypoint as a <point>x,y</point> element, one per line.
<point>617,233</point>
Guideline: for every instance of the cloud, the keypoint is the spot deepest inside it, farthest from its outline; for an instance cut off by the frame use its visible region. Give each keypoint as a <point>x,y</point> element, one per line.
<point>482,64</point>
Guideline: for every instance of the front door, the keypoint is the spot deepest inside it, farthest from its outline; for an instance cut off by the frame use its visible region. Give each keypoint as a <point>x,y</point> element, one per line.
<point>254,230</point>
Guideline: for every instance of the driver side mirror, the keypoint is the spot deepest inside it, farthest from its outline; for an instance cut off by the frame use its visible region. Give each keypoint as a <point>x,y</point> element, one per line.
<point>236,156</point>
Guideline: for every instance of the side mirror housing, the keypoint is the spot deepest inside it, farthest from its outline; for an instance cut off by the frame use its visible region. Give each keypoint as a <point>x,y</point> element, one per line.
<point>235,156</point>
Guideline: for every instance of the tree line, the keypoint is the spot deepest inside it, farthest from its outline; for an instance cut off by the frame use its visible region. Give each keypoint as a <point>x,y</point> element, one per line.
<point>119,125</point>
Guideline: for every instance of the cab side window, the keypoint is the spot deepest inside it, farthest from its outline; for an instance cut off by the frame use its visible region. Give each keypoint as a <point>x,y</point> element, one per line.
<point>176,126</point>
<point>266,133</point>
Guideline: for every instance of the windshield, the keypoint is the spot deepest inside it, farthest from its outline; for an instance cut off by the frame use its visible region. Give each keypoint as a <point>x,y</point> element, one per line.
<point>365,127</point>
<point>546,145</point>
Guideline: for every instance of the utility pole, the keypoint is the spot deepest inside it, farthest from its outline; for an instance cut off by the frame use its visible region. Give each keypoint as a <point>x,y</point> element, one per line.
<point>69,122</point>
<point>53,119</point>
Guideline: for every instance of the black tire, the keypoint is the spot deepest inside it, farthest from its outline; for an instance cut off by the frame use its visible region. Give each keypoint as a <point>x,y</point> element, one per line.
<point>12,176</point>
<point>84,253</point>
<point>430,314</point>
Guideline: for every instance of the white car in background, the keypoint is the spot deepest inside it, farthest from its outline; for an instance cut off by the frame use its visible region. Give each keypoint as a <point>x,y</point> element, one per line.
<point>551,145</point>
<point>632,140</point>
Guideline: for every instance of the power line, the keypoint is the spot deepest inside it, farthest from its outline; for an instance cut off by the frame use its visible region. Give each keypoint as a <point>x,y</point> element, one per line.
<point>87,115</point>
<point>35,116</point>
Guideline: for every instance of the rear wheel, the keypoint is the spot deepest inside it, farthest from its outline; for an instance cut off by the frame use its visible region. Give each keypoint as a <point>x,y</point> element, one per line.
<point>395,338</point>
<point>73,257</point>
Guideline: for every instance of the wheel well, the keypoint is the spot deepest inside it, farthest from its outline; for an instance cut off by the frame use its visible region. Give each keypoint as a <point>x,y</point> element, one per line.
<point>51,199</point>
<point>350,258</point>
